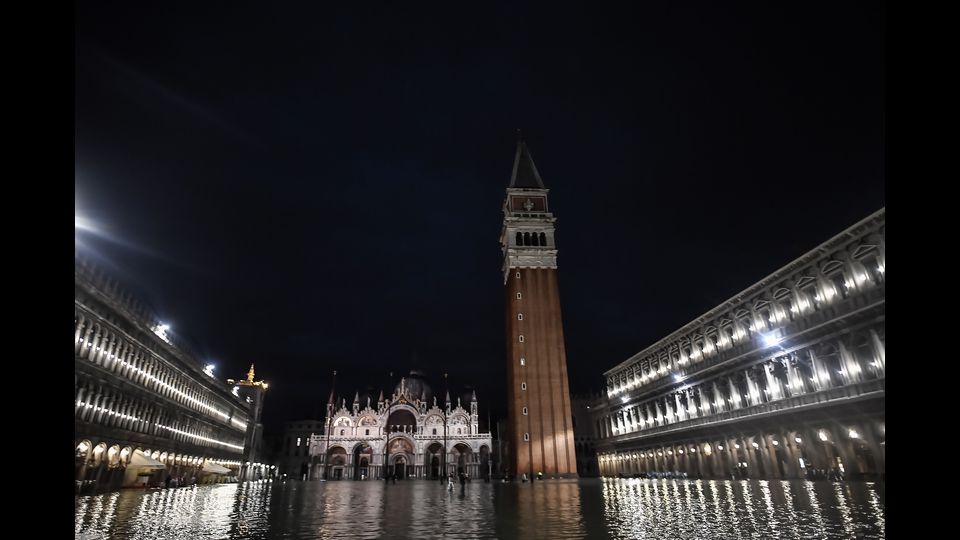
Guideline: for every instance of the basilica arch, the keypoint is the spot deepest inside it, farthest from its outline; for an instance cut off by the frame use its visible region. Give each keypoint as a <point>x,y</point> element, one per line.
<point>402,457</point>
<point>362,461</point>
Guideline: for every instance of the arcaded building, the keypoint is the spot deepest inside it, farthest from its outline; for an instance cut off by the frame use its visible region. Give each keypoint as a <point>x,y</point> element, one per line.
<point>786,379</point>
<point>144,406</point>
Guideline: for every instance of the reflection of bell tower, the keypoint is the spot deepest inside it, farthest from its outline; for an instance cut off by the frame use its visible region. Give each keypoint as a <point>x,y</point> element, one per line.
<point>541,430</point>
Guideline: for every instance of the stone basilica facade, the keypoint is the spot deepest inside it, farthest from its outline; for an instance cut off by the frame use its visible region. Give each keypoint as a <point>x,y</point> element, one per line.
<point>409,431</point>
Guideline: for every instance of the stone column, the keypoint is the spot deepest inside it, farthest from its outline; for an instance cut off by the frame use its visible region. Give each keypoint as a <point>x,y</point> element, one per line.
<point>768,452</point>
<point>869,435</point>
<point>844,447</point>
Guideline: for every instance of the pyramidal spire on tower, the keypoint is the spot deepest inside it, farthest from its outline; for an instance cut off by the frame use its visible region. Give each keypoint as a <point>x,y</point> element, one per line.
<point>525,174</point>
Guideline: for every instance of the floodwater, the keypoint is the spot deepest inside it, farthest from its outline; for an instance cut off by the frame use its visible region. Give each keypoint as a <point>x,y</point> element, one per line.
<point>586,508</point>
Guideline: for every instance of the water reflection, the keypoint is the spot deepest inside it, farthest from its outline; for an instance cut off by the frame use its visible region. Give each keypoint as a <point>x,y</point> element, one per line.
<point>590,508</point>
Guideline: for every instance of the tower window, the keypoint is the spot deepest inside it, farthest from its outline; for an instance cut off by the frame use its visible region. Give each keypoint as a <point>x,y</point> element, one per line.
<point>526,239</point>
<point>518,275</point>
<point>519,296</point>
<point>519,316</point>
<point>525,411</point>
<point>298,441</point>
<point>543,239</point>
<point>434,431</point>
<point>367,432</point>
<point>535,239</point>
<point>523,386</point>
<point>521,339</point>
<point>341,432</point>
<point>523,361</point>
<point>526,436</point>
<point>519,239</point>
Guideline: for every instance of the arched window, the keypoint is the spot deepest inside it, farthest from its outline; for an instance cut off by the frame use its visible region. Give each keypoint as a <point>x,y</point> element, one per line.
<point>519,239</point>
<point>434,431</point>
<point>535,239</point>
<point>543,239</point>
<point>341,432</point>
<point>526,239</point>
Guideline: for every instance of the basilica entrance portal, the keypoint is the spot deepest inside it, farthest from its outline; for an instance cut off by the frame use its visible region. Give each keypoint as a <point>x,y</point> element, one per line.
<point>400,468</point>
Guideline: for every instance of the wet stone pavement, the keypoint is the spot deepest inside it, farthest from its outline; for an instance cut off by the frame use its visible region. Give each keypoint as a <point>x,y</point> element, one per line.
<point>586,508</point>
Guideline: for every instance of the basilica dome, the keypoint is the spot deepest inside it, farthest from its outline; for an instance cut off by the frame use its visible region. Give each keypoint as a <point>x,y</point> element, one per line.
<point>414,386</point>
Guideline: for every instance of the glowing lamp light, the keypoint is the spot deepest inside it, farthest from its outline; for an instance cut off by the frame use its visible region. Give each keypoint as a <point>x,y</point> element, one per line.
<point>770,340</point>
<point>719,447</point>
<point>236,391</point>
<point>822,435</point>
<point>737,446</point>
<point>799,440</point>
<point>755,445</point>
<point>776,443</point>
<point>208,369</point>
<point>853,434</point>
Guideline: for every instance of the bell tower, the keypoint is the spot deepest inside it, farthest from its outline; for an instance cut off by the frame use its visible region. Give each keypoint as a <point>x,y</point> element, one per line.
<point>538,392</point>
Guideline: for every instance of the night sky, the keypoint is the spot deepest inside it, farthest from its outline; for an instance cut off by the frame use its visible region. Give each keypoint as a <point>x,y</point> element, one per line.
<point>320,188</point>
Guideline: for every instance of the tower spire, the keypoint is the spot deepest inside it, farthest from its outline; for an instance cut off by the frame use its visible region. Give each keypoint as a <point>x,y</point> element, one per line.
<point>525,174</point>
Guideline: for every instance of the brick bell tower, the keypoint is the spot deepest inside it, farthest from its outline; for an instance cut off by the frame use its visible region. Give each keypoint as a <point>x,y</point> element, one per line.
<point>538,393</point>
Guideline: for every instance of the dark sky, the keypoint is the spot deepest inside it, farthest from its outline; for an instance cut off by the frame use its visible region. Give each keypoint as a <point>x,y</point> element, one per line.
<point>320,187</point>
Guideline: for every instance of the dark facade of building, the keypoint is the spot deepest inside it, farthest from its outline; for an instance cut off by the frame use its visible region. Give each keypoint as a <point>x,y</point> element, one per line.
<point>294,458</point>
<point>145,409</point>
<point>786,379</point>
<point>585,433</point>
<point>538,392</point>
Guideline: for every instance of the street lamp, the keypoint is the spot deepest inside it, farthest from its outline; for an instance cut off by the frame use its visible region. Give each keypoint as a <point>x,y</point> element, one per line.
<point>443,455</point>
<point>326,450</point>
<point>386,450</point>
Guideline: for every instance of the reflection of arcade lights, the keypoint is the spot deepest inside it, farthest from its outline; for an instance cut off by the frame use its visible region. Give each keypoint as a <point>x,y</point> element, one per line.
<point>822,435</point>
